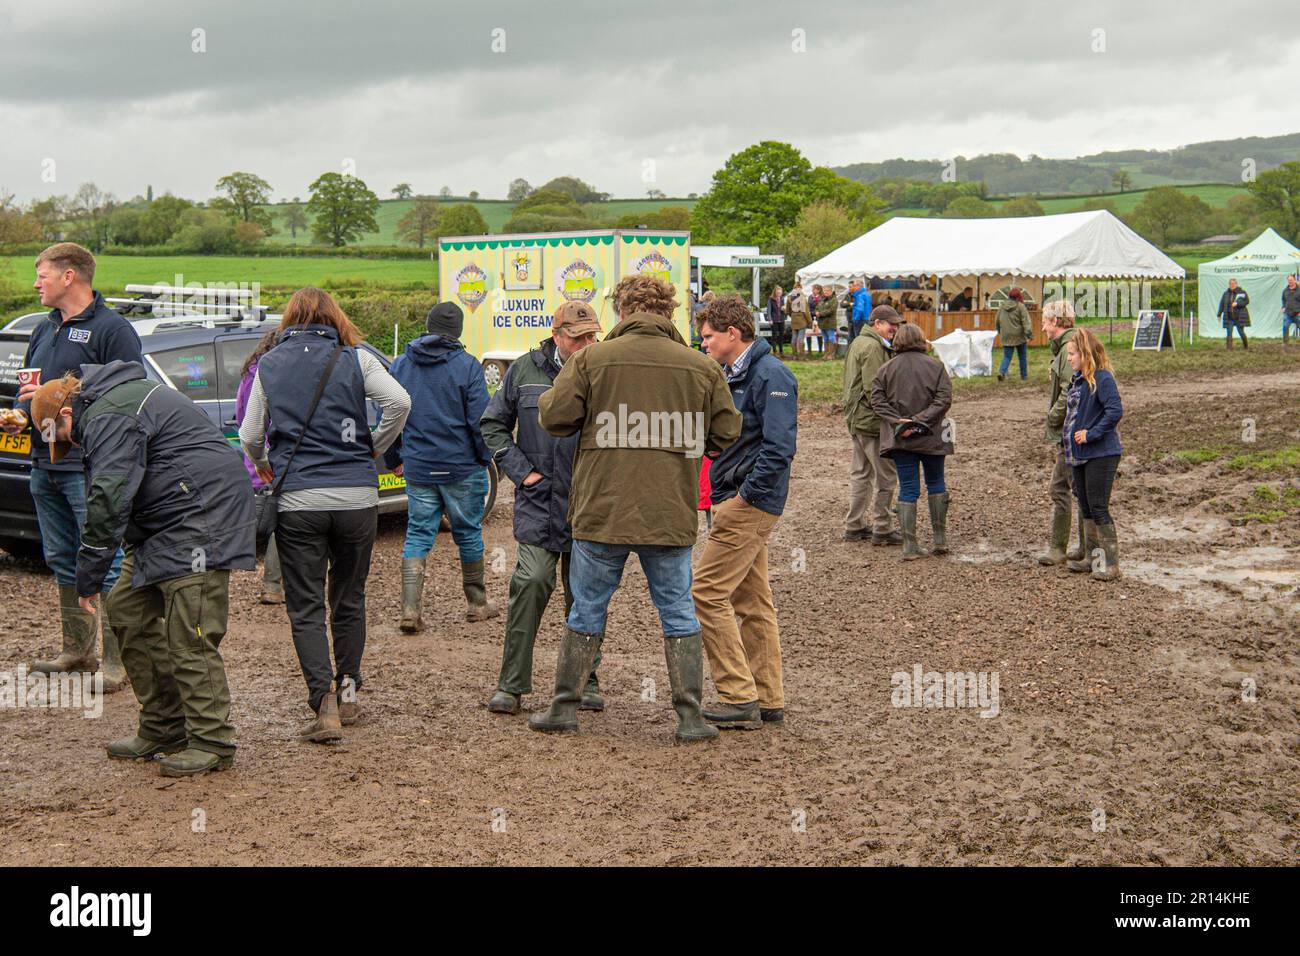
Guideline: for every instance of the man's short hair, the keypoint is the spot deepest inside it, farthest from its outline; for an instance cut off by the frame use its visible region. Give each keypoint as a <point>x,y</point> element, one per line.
<point>643,293</point>
<point>69,255</point>
<point>1061,312</point>
<point>728,312</point>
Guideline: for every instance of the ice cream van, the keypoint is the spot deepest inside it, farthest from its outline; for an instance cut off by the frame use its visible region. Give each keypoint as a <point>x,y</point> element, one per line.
<point>511,285</point>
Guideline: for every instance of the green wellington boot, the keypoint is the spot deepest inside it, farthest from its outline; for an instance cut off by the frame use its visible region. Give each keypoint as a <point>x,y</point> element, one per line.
<point>78,638</point>
<point>189,762</point>
<point>114,673</point>
<point>939,521</point>
<point>138,748</point>
<point>685,657</point>
<point>503,702</point>
<point>1055,554</point>
<point>907,521</point>
<point>1090,544</point>
<point>592,699</point>
<point>412,595</point>
<point>577,654</point>
<point>1108,568</point>
<point>1076,553</point>
<point>480,608</point>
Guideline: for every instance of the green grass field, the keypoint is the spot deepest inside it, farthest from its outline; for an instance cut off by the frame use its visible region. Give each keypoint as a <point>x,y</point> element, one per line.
<point>496,212</point>
<point>114,272</point>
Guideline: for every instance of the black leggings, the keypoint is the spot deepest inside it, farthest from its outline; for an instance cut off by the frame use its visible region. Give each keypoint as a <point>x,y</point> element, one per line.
<point>1092,483</point>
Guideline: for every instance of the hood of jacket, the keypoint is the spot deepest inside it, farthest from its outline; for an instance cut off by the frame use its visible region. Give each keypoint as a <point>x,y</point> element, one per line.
<point>432,349</point>
<point>646,323</point>
<point>1061,341</point>
<point>98,380</point>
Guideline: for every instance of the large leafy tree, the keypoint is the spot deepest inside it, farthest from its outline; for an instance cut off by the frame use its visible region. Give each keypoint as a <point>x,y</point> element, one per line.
<point>518,189</point>
<point>1167,215</point>
<point>755,196</point>
<point>462,219</point>
<point>1277,193</point>
<point>403,191</point>
<point>242,197</point>
<point>420,224</point>
<point>575,189</point>
<point>1021,206</point>
<point>342,209</point>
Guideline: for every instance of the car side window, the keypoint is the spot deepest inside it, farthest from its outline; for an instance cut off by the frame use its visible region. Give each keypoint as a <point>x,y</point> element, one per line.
<point>231,355</point>
<point>192,370</point>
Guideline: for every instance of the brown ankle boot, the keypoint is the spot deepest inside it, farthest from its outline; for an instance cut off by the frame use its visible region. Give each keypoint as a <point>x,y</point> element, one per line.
<point>326,728</point>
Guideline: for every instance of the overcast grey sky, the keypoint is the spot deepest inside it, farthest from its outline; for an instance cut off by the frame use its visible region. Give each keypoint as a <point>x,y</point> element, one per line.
<point>113,90</point>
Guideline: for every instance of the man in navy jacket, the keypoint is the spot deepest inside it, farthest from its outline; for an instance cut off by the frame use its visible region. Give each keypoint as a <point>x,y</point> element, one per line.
<point>751,479</point>
<point>82,330</point>
<point>442,456</point>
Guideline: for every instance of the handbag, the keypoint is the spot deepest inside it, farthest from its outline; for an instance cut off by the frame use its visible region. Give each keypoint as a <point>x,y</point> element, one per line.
<point>266,504</point>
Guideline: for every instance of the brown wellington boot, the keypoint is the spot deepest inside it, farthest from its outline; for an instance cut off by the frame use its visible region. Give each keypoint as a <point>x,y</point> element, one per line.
<point>326,728</point>
<point>78,638</point>
<point>480,608</point>
<point>412,595</point>
<point>907,522</point>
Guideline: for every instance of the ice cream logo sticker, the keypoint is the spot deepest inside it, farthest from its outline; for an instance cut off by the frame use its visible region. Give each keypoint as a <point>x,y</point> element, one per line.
<point>471,286</point>
<point>655,265</point>
<point>578,281</point>
<point>521,262</point>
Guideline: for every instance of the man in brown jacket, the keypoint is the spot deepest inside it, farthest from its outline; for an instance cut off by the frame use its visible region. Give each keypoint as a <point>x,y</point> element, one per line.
<point>647,408</point>
<point>872,478</point>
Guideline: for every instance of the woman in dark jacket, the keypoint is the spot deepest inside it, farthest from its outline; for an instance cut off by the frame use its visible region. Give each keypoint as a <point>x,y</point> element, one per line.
<point>776,318</point>
<point>329,498</point>
<point>272,585</point>
<point>1092,449</point>
<point>912,394</point>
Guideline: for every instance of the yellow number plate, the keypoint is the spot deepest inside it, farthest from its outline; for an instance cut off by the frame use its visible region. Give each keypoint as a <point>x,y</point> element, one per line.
<point>15,444</point>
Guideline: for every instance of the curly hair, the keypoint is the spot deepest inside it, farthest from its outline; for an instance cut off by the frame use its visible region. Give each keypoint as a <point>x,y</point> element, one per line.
<point>1061,312</point>
<point>728,312</point>
<point>643,293</point>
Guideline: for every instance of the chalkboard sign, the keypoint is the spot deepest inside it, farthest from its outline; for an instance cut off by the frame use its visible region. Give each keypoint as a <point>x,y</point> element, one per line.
<point>1152,330</point>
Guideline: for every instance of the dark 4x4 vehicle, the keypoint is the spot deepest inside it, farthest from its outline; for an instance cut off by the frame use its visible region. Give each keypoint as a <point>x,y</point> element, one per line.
<point>196,354</point>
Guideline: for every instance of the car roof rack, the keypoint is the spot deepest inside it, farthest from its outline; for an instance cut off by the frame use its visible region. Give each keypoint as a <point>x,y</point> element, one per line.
<point>197,304</point>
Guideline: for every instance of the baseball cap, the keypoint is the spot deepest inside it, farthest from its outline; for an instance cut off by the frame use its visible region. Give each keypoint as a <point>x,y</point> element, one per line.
<point>46,402</point>
<point>576,319</point>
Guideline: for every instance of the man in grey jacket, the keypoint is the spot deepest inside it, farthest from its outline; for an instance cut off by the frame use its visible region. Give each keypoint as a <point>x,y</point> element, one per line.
<point>162,480</point>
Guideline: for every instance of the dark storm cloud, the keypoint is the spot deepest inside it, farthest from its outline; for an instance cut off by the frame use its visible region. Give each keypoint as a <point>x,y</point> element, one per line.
<point>414,91</point>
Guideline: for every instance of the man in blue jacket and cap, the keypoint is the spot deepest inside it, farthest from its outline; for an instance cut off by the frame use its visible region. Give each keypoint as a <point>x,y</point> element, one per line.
<point>751,479</point>
<point>443,458</point>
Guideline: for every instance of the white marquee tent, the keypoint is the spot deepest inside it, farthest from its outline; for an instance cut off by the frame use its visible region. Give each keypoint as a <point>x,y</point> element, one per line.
<point>1260,267</point>
<point>1071,245</point>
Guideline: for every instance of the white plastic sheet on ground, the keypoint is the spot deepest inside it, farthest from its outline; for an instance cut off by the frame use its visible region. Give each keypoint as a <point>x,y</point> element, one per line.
<point>966,353</point>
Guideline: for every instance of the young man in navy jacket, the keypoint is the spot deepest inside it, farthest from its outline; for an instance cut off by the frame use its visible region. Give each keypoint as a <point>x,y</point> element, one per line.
<point>82,330</point>
<point>750,479</point>
<point>442,456</point>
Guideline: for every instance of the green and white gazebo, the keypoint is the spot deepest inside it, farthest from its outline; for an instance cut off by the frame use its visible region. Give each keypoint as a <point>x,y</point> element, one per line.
<point>1260,267</point>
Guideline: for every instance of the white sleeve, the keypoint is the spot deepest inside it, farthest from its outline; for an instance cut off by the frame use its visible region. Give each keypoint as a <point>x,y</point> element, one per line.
<point>252,433</point>
<point>384,390</point>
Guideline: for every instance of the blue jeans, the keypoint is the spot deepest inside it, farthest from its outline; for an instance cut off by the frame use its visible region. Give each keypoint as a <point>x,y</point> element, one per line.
<point>1288,321</point>
<point>1021,350</point>
<point>60,498</point>
<point>463,502</point>
<point>1229,325</point>
<point>909,465</point>
<point>596,569</point>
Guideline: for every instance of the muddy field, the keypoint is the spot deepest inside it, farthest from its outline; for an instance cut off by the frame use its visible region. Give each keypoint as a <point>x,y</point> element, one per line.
<point>1125,732</point>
